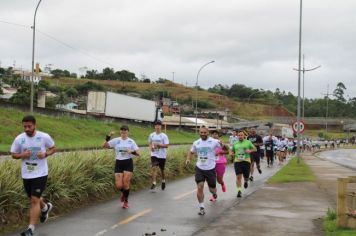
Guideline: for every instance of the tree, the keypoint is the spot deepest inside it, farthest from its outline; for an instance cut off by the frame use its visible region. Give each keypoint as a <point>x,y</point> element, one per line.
<point>108,74</point>
<point>71,92</point>
<point>339,92</point>
<point>91,74</point>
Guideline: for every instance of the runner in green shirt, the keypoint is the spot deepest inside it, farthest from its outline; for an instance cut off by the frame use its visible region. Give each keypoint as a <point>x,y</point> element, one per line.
<point>241,153</point>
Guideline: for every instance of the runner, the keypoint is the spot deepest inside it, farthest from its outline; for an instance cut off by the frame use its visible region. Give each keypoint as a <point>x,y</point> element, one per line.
<point>233,138</point>
<point>221,161</point>
<point>158,144</point>
<point>204,148</point>
<point>33,147</point>
<point>242,160</point>
<point>270,143</point>
<point>257,141</point>
<point>283,150</point>
<point>290,146</point>
<point>125,149</point>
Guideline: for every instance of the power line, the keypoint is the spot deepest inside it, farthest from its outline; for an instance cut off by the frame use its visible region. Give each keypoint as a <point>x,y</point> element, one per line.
<point>74,48</point>
<point>15,24</point>
<point>60,42</point>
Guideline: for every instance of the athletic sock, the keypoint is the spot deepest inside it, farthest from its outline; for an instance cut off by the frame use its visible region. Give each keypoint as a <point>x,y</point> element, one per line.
<point>163,180</point>
<point>239,189</point>
<point>32,227</point>
<point>154,182</point>
<point>201,204</point>
<point>45,208</point>
<point>126,194</point>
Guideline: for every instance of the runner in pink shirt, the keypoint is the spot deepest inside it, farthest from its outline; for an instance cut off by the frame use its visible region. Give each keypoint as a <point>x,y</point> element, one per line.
<point>221,161</point>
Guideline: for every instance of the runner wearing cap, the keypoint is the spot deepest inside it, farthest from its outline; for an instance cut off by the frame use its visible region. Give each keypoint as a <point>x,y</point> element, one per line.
<point>158,143</point>
<point>125,148</point>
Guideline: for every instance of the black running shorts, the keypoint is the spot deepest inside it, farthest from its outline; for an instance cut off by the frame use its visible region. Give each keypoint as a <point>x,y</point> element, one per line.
<point>243,168</point>
<point>206,175</point>
<point>35,187</point>
<point>124,165</point>
<point>161,162</point>
<point>255,157</point>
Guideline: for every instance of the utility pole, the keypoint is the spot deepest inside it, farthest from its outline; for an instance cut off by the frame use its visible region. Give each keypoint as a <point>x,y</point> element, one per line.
<point>305,70</point>
<point>299,70</point>
<point>327,109</point>
<point>33,55</point>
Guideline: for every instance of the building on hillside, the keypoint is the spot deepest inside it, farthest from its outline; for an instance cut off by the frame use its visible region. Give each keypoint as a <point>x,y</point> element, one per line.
<point>26,75</point>
<point>68,106</point>
<point>8,92</point>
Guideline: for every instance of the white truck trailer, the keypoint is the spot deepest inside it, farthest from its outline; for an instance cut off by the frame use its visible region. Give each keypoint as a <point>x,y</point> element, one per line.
<point>122,106</point>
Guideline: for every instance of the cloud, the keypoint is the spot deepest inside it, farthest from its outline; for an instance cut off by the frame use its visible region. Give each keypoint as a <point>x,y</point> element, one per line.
<point>253,42</point>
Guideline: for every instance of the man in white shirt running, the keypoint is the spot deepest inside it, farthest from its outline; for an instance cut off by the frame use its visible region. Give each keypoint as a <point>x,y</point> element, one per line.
<point>32,147</point>
<point>204,148</point>
<point>158,143</point>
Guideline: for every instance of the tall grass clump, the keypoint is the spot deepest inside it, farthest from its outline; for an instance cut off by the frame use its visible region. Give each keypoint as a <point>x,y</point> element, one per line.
<point>77,179</point>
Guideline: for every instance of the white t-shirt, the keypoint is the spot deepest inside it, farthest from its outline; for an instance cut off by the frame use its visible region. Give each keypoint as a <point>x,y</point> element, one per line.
<point>122,147</point>
<point>155,139</point>
<point>233,139</point>
<point>205,150</point>
<point>33,167</point>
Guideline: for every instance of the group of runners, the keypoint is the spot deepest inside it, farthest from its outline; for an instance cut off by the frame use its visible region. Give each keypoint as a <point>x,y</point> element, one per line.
<point>245,151</point>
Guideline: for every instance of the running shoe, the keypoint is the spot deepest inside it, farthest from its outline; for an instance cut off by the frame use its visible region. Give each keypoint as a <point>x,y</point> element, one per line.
<point>153,186</point>
<point>259,170</point>
<point>246,184</point>
<point>223,187</point>
<point>239,194</point>
<point>163,185</point>
<point>125,205</point>
<point>212,199</point>
<point>251,178</point>
<point>44,215</point>
<point>201,211</point>
<point>27,232</point>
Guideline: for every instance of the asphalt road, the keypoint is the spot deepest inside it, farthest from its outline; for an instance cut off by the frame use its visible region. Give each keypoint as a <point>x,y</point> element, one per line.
<point>170,212</point>
<point>344,157</point>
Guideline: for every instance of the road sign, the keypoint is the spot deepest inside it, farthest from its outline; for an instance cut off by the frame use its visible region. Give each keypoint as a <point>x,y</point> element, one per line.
<point>301,126</point>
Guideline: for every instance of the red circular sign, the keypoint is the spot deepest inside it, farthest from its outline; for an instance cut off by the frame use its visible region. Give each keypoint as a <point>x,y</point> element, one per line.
<point>301,126</point>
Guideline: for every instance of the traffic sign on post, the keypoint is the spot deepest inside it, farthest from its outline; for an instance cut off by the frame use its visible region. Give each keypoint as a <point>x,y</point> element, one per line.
<point>301,126</point>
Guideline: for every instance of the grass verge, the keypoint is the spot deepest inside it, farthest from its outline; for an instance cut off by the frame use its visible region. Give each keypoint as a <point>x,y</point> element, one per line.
<point>330,226</point>
<point>70,133</point>
<point>293,172</point>
<point>77,179</point>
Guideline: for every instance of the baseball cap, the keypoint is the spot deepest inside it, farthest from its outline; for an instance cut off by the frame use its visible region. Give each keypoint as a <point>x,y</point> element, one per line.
<point>157,122</point>
<point>124,127</point>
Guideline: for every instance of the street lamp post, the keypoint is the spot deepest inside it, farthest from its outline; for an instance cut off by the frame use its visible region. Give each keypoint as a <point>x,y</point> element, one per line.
<point>305,70</point>
<point>299,70</point>
<point>196,95</point>
<point>33,55</point>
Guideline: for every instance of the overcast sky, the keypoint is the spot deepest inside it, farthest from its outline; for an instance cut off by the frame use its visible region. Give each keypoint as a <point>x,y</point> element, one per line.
<point>253,42</point>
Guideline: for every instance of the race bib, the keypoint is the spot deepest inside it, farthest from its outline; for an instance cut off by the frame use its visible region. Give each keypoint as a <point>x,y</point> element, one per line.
<point>31,167</point>
<point>269,148</point>
<point>241,155</point>
<point>203,160</point>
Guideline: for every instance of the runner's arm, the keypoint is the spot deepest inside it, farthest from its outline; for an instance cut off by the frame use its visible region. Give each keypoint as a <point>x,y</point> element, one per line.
<point>48,152</point>
<point>189,157</point>
<point>24,155</point>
